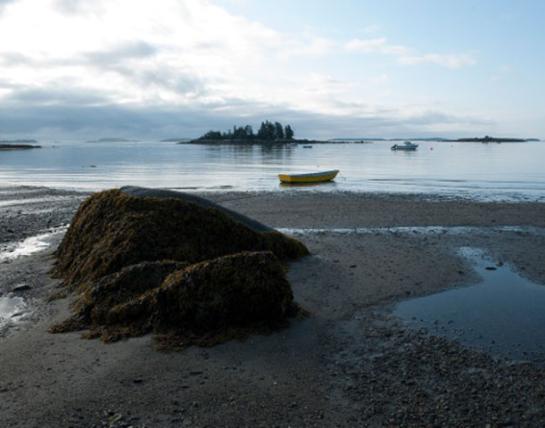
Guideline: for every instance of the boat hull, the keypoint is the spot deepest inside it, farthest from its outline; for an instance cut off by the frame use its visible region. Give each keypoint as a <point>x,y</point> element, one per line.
<point>405,148</point>
<point>317,177</point>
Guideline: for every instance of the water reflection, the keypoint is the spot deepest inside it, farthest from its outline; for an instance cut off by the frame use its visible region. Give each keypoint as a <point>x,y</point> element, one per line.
<point>465,169</point>
<point>502,315</point>
<point>329,185</point>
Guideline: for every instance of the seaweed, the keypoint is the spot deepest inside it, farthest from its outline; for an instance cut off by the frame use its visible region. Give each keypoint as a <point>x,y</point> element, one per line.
<point>175,265</point>
<point>112,230</point>
<point>205,303</point>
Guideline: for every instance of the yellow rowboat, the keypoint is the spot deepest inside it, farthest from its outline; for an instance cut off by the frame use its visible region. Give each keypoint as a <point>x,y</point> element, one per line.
<point>315,177</point>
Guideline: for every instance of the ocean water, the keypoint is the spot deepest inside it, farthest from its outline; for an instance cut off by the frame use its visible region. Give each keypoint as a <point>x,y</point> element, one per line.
<point>507,171</point>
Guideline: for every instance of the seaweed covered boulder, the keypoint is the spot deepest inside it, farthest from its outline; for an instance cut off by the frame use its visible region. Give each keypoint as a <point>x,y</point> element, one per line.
<point>118,228</point>
<point>204,303</point>
<point>238,290</point>
<point>95,300</point>
<point>142,260</point>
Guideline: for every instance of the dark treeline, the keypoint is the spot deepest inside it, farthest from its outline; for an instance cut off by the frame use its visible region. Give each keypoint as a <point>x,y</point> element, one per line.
<point>268,131</point>
<point>489,139</point>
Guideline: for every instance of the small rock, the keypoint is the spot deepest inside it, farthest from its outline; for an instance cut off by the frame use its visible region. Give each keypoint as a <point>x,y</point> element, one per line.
<point>21,287</point>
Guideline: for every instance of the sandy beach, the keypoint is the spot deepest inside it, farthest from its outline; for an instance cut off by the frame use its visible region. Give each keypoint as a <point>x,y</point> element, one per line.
<point>350,363</point>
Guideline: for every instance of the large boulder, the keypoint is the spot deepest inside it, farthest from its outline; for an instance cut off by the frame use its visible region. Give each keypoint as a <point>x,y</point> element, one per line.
<point>95,300</point>
<point>142,260</point>
<point>236,291</point>
<point>205,303</point>
<point>118,228</point>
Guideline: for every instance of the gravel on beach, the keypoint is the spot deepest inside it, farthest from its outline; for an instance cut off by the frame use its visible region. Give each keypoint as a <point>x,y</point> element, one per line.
<point>350,363</point>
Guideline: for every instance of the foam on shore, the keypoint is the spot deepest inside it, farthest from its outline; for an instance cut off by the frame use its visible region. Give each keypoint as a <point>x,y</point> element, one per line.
<point>424,230</point>
<point>29,246</point>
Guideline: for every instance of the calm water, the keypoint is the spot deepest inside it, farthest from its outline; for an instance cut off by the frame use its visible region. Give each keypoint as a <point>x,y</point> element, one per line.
<point>503,314</point>
<point>489,171</point>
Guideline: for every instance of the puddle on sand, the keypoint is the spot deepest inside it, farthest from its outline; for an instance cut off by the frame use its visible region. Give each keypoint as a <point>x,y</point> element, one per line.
<point>12,309</point>
<point>504,314</point>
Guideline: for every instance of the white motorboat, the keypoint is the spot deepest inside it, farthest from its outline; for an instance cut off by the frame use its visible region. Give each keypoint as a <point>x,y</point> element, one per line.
<point>406,146</point>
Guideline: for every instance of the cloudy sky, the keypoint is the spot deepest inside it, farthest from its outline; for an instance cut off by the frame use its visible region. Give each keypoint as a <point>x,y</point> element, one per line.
<point>349,68</point>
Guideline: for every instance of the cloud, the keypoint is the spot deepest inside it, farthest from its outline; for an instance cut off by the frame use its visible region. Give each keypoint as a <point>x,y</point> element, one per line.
<point>406,55</point>
<point>54,96</point>
<point>4,3</point>
<point>79,6</point>
<point>180,67</point>
<point>445,60</point>
<point>375,45</point>
<point>127,51</point>
<point>86,117</point>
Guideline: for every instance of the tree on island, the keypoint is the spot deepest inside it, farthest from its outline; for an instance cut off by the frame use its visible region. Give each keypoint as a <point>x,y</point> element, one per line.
<point>212,135</point>
<point>288,132</point>
<point>278,131</point>
<point>268,131</point>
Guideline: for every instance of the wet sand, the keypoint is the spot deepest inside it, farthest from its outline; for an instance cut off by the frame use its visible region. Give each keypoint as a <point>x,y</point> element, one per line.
<point>351,363</point>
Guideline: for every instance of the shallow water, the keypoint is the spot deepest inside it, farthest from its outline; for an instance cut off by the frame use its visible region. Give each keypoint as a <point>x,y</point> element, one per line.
<point>413,230</point>
<point>29,246</point>
<point>29,201</point>
<point>504,314</point>
<point>12,308</point>
<point>475,170</point>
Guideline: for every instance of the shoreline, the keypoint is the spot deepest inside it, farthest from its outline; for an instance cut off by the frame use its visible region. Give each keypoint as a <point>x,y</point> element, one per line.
<point>9,147</point>
<point>363,365</point>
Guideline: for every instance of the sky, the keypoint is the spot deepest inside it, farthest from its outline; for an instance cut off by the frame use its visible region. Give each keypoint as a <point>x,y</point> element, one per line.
<point>73,69</point>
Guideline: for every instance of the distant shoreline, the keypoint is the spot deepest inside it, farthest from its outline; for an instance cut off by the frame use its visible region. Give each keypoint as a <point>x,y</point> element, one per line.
<point>258,142</point>
<point>112,140</point>
<point>493,140</point>
<point>255,141</point>
<point>7,147</point>
<point>442,140</point>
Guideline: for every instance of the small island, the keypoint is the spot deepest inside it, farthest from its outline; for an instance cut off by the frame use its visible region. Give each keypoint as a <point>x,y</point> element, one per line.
<point>6,145</point>
<point>489,139</point>
<point>268,133</point>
